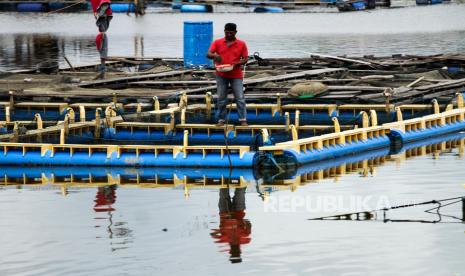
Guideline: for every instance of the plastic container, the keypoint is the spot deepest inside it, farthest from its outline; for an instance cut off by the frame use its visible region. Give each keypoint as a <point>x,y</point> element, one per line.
<point>359,5</point>
<point>197,39</point>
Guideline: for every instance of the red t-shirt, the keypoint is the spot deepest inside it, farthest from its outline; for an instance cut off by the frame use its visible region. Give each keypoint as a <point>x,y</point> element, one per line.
<point>97,3</point>
<point>231,54</point>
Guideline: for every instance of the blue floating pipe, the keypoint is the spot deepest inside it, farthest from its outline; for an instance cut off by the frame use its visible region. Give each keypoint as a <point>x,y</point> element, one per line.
<point>28,115</point>
<point>337,150</point>
<point>415,135</point>
<point>31,7</point>
<point>127,159</point>
<point>122,7</point>
<point>428,2</point>
<point>268,10</point>
<point>265,117</point>
<point>197,138</point>
<point>196,8</point>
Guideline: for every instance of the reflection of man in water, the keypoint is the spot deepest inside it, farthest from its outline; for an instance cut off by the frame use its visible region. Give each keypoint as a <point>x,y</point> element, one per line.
<point>234,229</point>
<point>106,196</point>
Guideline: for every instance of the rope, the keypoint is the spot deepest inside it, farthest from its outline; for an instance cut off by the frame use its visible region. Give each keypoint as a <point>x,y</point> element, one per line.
<point>50,12</point>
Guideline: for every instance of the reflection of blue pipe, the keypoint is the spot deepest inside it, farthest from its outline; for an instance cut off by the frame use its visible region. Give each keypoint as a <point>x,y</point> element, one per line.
<point>411,136</point>
<point>431,141</point>
<point>337,151</point>
<point>332,163</point>
<point>161,173</point>
<point>127,159</point>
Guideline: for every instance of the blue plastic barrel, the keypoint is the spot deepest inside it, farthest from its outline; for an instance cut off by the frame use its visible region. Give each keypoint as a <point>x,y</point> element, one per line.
<point>268,9</point>
<point>31,7</point>
<point>359,5</point>
<point>123,7</point>
<point>196,8</point>
<point>197,39</point>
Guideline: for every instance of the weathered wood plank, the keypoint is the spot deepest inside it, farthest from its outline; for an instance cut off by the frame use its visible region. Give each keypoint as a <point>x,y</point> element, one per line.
<point>125,80</point>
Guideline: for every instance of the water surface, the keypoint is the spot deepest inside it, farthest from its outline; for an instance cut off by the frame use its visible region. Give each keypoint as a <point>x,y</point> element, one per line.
<point>410,30</point>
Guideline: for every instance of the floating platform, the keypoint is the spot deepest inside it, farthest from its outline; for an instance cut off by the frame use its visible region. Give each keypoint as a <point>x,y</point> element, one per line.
<point>208,150</point>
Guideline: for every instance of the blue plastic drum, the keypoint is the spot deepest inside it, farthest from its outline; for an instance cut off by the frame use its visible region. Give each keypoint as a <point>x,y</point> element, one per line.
<point>197,39</point>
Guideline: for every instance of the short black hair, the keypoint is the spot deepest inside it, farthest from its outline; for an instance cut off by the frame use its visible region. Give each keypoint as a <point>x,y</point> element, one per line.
<point>230,27</point>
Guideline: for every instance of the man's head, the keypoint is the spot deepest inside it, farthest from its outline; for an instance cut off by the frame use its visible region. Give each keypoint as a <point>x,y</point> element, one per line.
<point>230,30</point>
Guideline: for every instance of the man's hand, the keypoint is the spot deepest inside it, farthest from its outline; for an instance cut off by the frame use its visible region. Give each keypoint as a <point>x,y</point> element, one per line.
<point>217,58</point>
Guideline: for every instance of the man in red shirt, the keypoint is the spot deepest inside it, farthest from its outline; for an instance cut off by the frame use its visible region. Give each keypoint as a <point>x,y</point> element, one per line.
<point>229,51</point>
<point>103,14</point>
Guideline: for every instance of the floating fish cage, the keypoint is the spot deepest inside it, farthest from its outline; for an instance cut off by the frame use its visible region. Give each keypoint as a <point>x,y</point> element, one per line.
<point>293,134</point>
<point>265,181</point>
<point>369,105</point>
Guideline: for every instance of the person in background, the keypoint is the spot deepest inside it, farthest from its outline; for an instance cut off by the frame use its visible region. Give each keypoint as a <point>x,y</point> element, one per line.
<point>103,14</point>
<point>229,51</point>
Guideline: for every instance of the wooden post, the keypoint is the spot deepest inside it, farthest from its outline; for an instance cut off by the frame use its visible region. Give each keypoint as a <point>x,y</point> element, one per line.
<point>115,99</point>
<point>156,103</point>
<point>265,135</point>
<point>82,113</point>
<point>156,107</point>
<point>387,96</point>
<point>183,100</point>
<point>459,100</point>
<point>278,103</point>
<point>62,136</point>
<point>287,119</point>
<point>66,124</point>
<point>97,123</point>
<point>365,122</point>
<point>72,115</point>
<point>295,134</point>
<point>373,117</point>
<point>337,127</point>
<point>208,104</point>
<point>297,119</point>
<point>183,116</point>
<point>109,113</point>
<point>12,102</point>
<point>38,120</point>
<point>171,121</point>
<point>399,114</point>
<point>15,132</point>
<point>139,108</point>
<point>7,114</point>
<point>435,106</point>
<point>185,142</point>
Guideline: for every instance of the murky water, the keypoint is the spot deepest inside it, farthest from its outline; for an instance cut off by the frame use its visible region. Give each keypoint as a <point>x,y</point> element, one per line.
<point>27,39</point>
<point>259,225</point>
<point>146,229</point>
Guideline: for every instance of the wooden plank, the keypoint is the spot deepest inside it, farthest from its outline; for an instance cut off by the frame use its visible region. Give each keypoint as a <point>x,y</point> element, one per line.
<point>37,105</point>
<point>125,80</point>
<point>296,75</point>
